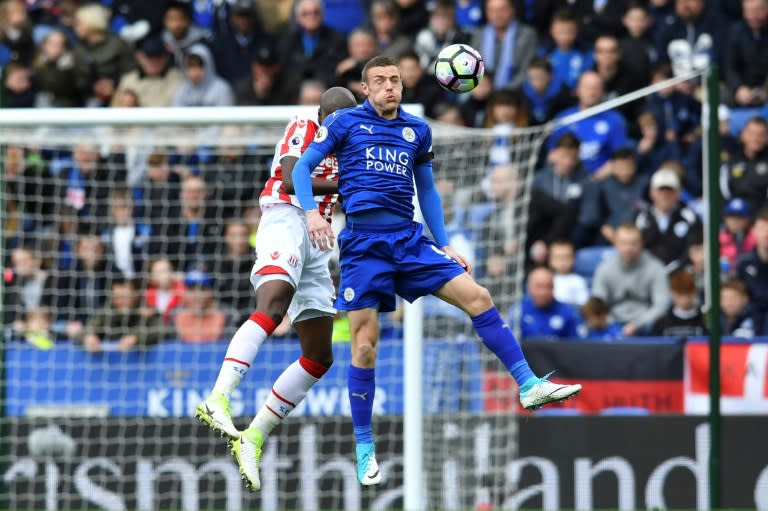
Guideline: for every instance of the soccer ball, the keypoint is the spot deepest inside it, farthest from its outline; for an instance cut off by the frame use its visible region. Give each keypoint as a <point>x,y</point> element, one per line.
<point>459,68</point>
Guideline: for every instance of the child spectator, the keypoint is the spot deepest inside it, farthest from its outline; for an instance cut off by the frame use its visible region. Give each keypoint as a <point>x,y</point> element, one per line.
<point>638,49</point>
<point>165,289</point>
<point>546,96</point>
<point>693,155</point>
<point>61,76</point>
<point>19,89</point>
<point>736,236</point>
<point>567,58</point>
<point>37,328</point>
<point>505,111</point>
<point>180,34</point>
<point>678,114</point>
<point>737,319</point>
<point>614,200</point>
<point>652,148</point>
<point>124,321</point>
<point>17,43</point>
<point>201,85</point>
<point>570,287</point>
<point>599,326</point>
<point>684,318</point>
<point>200,319</point>
<point>28,286</point>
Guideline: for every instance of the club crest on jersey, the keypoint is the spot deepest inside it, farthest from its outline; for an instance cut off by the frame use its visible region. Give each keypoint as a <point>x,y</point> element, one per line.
<point>296,141</point>
<point>301,123</point>
<point>409,135</point>
<point>321,134</point>
<point>349,294</point>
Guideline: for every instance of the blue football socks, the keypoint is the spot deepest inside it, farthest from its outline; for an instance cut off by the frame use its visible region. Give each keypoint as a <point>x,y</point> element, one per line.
<point>362,387</point>
<point>498,337</point>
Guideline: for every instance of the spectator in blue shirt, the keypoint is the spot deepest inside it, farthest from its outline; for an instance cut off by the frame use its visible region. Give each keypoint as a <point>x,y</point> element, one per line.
<point>597,322</point>
<point>541,315</point>
<point>568,59</point>
<point>545,95</point>
<point>600,134</point>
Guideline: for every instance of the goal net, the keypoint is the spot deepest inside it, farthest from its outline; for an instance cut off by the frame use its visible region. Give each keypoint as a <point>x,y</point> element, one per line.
<point>172,210</point>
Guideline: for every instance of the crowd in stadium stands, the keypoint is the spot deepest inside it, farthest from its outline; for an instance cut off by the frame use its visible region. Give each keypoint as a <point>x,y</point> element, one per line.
<point>615,237</point>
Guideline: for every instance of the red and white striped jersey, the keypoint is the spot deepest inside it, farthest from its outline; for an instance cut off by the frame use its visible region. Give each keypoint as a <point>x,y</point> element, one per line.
<point>298,135</point>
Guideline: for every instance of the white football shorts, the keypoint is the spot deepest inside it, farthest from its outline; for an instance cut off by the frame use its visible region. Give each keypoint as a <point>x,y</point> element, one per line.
<point>284,252</point>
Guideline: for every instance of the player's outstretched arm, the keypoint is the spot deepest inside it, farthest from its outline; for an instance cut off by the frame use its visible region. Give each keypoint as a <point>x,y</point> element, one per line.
<point>320,233</point>
<point>432,209</point>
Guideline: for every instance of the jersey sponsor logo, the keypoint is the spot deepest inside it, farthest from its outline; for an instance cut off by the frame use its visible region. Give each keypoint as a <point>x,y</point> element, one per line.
<point>389,160</point>
<point>349,294</point>
<point>408,134</point>
<point>369,129</point>
<point>321,134</point>
<point>296,141</point>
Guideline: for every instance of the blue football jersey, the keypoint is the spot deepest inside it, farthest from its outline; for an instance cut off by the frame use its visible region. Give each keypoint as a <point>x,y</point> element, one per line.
<point>600,136</point>
<point>376,157</point>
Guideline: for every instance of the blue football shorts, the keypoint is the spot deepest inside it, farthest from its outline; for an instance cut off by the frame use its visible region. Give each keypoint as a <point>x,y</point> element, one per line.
<point>377,262</point>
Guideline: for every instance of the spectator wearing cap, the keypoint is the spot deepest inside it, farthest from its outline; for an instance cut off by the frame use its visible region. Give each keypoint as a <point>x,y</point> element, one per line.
<point>232,48</point>
<point>179,33</point>
<point>156,80</point>
<point>266,83</point>
<point>200,319</point>
<point>666,222</point>
<point>746,62</point>
<point>441,31</point>
<point>201,85</point>
<point>746,174</point>
<point>736,236</point>
<point>684,317</point>
<point>753,270</point>
<point>107,55</point>
<point>693,156</point>
<point>310,49</point>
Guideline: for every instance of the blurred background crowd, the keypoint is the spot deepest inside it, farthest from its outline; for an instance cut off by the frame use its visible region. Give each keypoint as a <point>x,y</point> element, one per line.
<point>614,227</point>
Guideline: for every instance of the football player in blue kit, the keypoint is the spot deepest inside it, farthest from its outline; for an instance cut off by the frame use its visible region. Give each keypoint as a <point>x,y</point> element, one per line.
<point>382,151</point>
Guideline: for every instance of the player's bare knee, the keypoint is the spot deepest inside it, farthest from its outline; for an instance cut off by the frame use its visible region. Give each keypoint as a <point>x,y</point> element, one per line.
<point>364,353</point>
<point>480,301</point>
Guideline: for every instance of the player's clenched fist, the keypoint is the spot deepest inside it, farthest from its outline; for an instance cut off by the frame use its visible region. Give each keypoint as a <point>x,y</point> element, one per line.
<point>319,230</point>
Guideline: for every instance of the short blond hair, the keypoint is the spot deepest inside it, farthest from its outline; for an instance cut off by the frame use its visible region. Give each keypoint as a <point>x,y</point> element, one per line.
<point>94,17</point>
